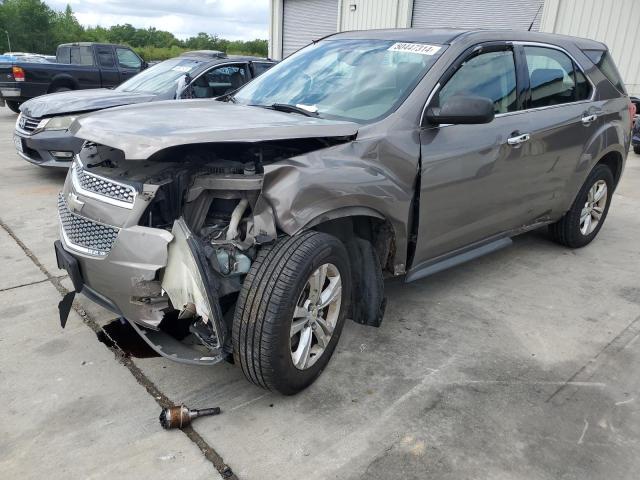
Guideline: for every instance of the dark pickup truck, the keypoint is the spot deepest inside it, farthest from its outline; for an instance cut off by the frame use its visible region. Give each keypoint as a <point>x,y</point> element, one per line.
<point>78,66</point>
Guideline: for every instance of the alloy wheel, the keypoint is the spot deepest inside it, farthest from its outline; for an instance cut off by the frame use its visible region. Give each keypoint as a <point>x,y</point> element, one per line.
<point>594,207</point>
<point>315,316</point>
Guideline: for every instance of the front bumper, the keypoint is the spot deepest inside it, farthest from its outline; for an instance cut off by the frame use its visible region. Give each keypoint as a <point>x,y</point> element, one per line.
<point>38,148</point>
<point>118,264</point>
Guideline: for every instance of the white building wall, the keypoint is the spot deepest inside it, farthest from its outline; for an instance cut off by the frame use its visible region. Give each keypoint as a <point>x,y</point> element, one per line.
<point>614,22</point>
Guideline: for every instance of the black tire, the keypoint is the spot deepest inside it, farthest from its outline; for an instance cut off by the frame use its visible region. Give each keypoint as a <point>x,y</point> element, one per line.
<point>566,231</point>
<point>61,89</point>
<point>636,149</point>
<point>14,106</point>
<point>264,312</point>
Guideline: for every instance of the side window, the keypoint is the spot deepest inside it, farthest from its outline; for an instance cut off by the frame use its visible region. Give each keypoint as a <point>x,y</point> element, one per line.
<point>105,57</point>
<point>219,80</point>
<point>491,75</point>
<point>260,67</point>
<point>602,59</point>
<point>86,56</point>
<point>128,59</point>
<point>554,78</point>
<point>64,55</point>
<point>75,55</point>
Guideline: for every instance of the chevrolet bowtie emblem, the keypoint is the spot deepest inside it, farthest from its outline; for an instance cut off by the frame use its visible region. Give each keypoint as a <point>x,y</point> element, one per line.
<point>74,203</point>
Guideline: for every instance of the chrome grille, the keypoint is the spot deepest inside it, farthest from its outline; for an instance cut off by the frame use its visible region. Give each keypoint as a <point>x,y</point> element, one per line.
<point>88,182</point>
<point>83,234</point>
<point>27,124</point>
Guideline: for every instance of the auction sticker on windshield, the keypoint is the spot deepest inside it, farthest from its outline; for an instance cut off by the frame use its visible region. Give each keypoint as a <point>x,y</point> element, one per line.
<point>421,48</point>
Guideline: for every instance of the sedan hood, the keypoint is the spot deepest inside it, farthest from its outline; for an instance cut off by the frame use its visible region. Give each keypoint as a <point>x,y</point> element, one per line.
<point>142,130</point>
<point>78,101</point>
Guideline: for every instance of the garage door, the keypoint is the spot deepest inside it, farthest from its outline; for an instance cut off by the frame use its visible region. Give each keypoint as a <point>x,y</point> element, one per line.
<point>305,21</point>
<point>513,14</point>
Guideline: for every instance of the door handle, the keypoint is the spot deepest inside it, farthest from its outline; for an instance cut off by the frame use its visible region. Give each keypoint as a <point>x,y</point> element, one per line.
<point>588,119</point>
<point>517,140</point>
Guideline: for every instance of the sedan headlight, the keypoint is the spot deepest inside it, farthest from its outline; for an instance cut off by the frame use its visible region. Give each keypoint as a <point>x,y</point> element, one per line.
<point>56,123</point>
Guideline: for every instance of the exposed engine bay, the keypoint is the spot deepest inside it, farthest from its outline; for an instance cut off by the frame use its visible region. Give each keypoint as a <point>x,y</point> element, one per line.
<point>209,198</point>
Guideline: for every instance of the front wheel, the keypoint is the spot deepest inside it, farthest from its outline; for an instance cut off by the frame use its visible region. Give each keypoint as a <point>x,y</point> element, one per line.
<point>580,225</point>
<point>291,310</point>
<point>636,149</point>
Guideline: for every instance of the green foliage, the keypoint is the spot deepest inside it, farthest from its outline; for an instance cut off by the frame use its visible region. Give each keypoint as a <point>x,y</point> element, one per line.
<point>34,27</point>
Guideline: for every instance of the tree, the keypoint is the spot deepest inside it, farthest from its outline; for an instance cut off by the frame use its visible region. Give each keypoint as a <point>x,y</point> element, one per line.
<point>29,25</point>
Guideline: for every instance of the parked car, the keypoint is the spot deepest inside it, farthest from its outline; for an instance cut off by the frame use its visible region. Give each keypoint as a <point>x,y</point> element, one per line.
<point>41,134</point>
<point>635,136</point>
<point>251,229</point>
<point>78,66</point>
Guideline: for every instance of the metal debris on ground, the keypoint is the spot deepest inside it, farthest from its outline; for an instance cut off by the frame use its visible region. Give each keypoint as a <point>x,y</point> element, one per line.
<point>180,416</point>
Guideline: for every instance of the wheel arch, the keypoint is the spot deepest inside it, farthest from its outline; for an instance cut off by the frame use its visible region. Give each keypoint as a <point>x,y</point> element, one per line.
<point>62,80</point>
<point>347,223</point>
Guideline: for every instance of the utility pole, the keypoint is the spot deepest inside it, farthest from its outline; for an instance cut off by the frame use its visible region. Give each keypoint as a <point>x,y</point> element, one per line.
<point>8,40</point>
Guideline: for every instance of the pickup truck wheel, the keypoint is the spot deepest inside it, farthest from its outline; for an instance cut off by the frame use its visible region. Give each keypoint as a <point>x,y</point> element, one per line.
<point>14,106</point>
<point>580,225</point>
<point>60,89</point>
<point>291,310</point>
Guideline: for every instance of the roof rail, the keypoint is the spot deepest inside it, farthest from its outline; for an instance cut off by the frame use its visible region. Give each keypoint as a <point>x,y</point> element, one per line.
<point>204,53</point>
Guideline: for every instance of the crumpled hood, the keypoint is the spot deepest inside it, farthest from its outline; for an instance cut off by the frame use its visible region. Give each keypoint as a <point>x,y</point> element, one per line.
<point>78,101</point>
<point>142,130</point>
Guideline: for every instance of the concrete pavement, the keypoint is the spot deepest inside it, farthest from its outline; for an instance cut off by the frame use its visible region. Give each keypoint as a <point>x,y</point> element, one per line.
<point>517,365</point>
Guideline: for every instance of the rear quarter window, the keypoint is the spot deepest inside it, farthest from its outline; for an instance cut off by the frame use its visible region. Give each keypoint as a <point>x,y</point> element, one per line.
<point>602,59</point>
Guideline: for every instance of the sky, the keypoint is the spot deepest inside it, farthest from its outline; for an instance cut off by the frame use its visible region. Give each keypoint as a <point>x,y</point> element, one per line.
<point>230,19</point>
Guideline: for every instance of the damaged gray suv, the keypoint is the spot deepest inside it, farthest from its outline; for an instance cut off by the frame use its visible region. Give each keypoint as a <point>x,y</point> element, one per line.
<point>250,228</point>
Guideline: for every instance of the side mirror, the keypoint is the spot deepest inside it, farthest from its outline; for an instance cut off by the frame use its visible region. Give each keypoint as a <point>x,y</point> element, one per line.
<point>144,65</point>
<point>462,110</point>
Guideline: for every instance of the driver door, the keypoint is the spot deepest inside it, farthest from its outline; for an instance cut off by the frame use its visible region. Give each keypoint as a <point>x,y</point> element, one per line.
<point>473,176</point>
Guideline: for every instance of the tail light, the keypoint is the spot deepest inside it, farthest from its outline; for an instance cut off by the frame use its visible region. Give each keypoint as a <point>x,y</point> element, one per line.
<point>18,74</point>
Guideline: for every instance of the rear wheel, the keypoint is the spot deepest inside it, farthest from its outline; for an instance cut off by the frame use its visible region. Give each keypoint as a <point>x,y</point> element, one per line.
<point>14,106</point>
<point>580,225</point>
<point>636,149</point>
<point>60,89</point>
<point>291,310</point>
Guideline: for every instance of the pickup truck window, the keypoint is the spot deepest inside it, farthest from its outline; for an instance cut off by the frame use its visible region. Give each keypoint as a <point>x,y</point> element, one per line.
<point>128,59</point>
<point>64,55</point>
<point>105,57</point>
<point>160,78</point>
<point>491,75</point>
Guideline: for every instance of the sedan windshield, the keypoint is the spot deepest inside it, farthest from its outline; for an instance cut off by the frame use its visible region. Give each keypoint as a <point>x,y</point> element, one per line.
<point>161,78</point>
<point>357,80</point>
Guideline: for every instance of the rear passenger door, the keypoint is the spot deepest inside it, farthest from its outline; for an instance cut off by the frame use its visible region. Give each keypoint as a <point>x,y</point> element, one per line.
<point>107,63</point>
<point>563,119</point>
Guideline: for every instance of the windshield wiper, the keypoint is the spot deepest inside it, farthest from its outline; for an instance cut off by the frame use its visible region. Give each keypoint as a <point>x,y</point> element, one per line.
<point>307,110</point>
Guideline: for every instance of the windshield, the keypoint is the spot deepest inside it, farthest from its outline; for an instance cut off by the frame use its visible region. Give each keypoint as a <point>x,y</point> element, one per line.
<point>357,80</point>
<point>161,78</point>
